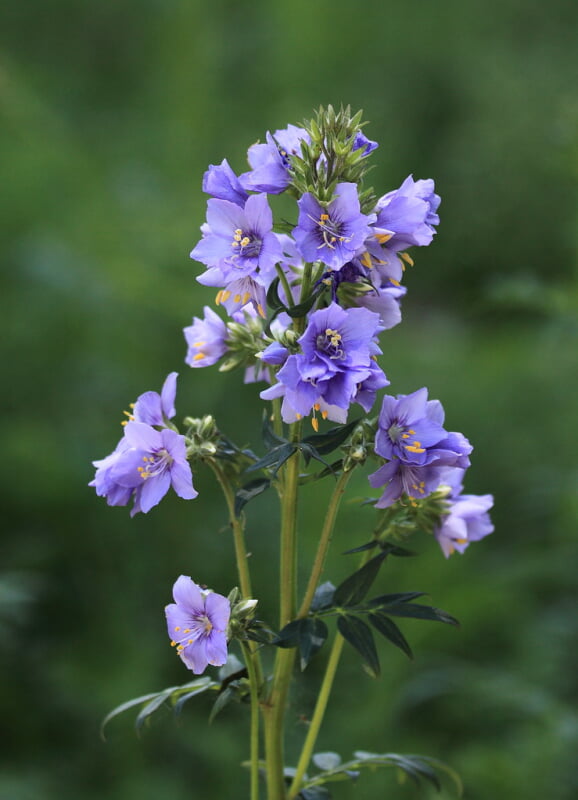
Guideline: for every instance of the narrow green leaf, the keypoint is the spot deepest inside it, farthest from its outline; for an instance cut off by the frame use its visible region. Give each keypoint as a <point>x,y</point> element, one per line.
<point>326,442</point>
<point>389,629</point>
<point>136,701</point>
<point>367,546</point>
<point>359,635</point>
<point>275,458</point>
<point>354,588</point>
<point>288,636</point>
<point>395,598</point>
<point>302,308</point>
<point>273,300</point>
<point>178,706</point>
<point>249,491</point>
<point>151,707</point>
<point>222,700</point>
<point>417,611</point>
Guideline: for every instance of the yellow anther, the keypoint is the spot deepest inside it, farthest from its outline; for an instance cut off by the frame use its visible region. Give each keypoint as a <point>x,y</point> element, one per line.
<point>234,244</point>
<point>198,344</point>
<point>237,298</point>
<point>324,414</point>
<point>298,416</point>
<point>366,260</point>
<point>315,424</point>
<point>238,232</point>
<point>177,629</point>
<point>414,449</point>
<point>245,241</point>
<point>187,630</point>
<point>173,644</point>
<point>395,283</point>
<point>189,641</point>
<point>124,422</point>
<point>407,259</point>
<point>128,414</point>
<point>131,405</point>
<point>317,407</point>
<point>260,310</point>
<point>225,295</point>
<point>323,217</point>
<point>199,356</point>
<point>411,430</point>
<point>461,541</point>
<point>382,238</point>
<point>219,297</point>
<point>246,298</point>
<point>405,435</point>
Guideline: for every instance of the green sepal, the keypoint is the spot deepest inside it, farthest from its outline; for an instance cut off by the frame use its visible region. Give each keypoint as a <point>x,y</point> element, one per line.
<point>359,635</point>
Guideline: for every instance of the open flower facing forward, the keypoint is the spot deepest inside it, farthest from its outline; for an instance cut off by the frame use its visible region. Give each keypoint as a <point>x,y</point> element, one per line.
<point>197,625</point>
<point>332,234</point>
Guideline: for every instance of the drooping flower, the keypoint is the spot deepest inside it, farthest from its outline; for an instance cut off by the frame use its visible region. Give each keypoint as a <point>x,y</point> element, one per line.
<point>405,217</point>
<point>153,408</point>
<point>238,242</point>
<point>206,339</point>
<point>468,519</point>
<point>336,363</point>
<point>334,234</point>
<point>197,625</point>
<point>145,464</point>
<point>221,182</point>
<point>411,436</point>
<point>270,162</point>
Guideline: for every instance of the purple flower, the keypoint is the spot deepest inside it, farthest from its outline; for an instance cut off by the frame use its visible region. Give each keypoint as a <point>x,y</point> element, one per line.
<point>145,464</point>
<point>153,408</point>
<point>405,217</point>
<point>333,235</point>
<point>468,519</point>
<point>411,436</point>
<point>197,625</point>
<point>238,242</point>
<point>361,142</point>
<point>270,162</point>
<point>335,366</point>
<point>205,339</point>
<point>221,182</point>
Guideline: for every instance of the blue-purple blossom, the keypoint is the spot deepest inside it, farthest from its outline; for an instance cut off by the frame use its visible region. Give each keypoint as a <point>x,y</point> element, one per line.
<point>206,339</point>
<point>405,217</point>
<point>270,163</point>
<point>336,364</point>
<point>238,243</point>
<point>334,234</point>
<point>197,625</point>
<point>361,142</point>
<point>411,436</point>
<point>467,519</point>
<point>144,465</point>
<point>221,182</point>
<point>154,408</point>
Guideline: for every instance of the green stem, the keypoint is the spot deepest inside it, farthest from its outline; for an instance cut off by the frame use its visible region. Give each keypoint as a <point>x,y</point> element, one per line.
<point>324,542</point>
<point>317,717</point>
<point>254,692</point>
<point>238,528</point>
<point>285,282</point>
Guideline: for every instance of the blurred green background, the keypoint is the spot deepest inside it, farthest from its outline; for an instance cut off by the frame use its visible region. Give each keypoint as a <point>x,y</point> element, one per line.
<point>109,114</point>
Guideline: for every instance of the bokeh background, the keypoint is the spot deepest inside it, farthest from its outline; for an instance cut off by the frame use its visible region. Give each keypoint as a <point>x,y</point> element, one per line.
<point>109,114</point>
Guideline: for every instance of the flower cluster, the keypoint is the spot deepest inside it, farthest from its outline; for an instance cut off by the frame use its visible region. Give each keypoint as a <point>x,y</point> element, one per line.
<point>307,302</point>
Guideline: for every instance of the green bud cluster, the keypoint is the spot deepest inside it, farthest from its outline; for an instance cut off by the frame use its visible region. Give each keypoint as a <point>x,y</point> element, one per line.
<point>242,612</point>
<point>408,515</point>
<point>202,436</point>
<point>244,343</point>
<point>359,446</point>
<point>329,158</point>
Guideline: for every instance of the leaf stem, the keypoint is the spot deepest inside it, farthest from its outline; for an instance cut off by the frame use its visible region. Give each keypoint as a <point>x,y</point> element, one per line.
<point>324,542</point>
<point>318,714</point>
<point>254,692</point>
